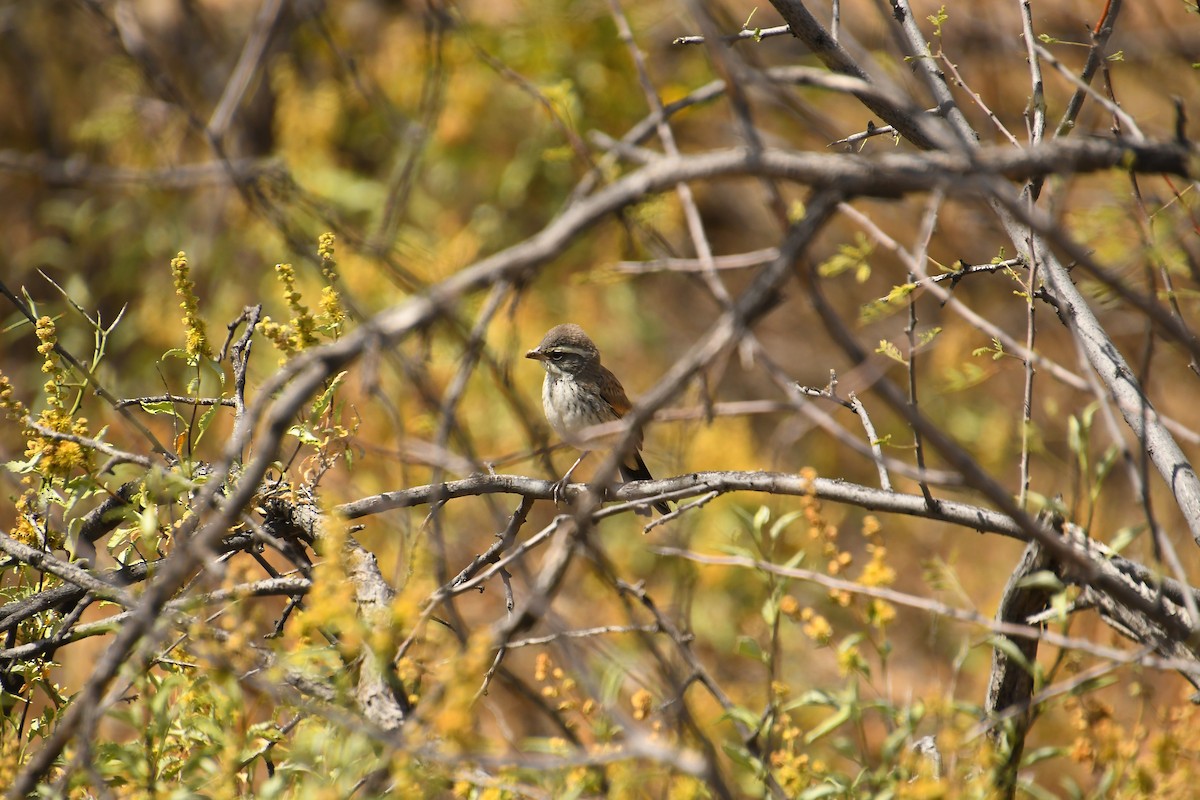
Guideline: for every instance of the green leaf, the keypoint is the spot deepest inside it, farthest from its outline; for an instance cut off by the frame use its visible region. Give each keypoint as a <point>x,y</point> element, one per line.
<point>795,561</point>
<point>205,420</point>
<point>891,351</point>
<point>175,352</point>
<point>22,466</point>
<point>1095,684</point>
<point>749,647</point>
<point>1060,603</point>
<point>1104,466</point>
<point>1010,649</point>
<point>813,697</point>
<point>1042,579</point>
<point>850,257</point>
<point>744,716</point>
<point>995,350</point>
<point>966,377</point>
<point>770,607</point>
<point>116,539</point>
<point>851,640</point>
<point>741,757</point>
<point>1042,754</point>
<point>783,522</point>
<point>830,724</point>
<point>305,435</point>
<point>938,20</point>
<point>215,368</point>
<point>1074,435</point>
<point>761,517</point>
<point>1125,536</point>
<point>876,309</point>
<point>322,402</point>
<point>1071,789</point>
<point>735,550</point>
<point>148,522</point>
<point>159,407</point>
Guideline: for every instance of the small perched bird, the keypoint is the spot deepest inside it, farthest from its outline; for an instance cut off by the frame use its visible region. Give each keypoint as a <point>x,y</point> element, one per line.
<point>580,392</point>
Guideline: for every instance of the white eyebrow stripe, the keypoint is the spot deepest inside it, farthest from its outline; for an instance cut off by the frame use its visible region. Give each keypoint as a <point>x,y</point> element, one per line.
<point>575,351</point>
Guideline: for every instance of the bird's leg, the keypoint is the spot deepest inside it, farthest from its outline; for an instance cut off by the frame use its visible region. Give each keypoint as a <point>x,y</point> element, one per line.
<point>559,490</point>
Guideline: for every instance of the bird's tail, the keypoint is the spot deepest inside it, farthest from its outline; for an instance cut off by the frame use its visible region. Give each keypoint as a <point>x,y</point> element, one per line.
<point>637,472</point>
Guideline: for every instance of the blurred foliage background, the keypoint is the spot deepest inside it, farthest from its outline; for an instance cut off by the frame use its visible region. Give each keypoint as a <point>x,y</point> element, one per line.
<point>428,135</point>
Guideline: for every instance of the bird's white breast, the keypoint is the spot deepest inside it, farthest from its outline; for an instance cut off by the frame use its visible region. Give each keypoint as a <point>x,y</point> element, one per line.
<point>564,411</point>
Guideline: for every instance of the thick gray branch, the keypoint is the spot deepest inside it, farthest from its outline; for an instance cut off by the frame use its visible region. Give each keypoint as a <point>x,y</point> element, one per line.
<point>1010,686</point>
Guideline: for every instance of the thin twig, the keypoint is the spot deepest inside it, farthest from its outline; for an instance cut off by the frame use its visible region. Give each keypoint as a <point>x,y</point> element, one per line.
<point>755,34</point>
<point>1139,657</point>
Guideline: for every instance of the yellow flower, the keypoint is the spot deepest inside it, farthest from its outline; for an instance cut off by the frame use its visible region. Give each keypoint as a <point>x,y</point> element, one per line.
<point>818,629</point>
<point>302,323</point>
<point>642,702</point>
<point>541,667</point>
<point>58,458</point>
<point>877,572</point>
<point>196,335</point>
<point>11,406</point>
<point>850,659</point>
<point>880,612</point>
<point>26,531</point>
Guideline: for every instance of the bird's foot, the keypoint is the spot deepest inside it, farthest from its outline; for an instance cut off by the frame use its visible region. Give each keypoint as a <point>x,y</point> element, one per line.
<point>558,490</point>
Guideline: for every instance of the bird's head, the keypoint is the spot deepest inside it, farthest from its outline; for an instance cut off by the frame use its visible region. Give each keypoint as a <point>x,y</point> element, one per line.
<point>566,350</point>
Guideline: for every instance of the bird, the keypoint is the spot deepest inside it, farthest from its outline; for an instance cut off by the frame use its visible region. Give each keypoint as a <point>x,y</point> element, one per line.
<point>579,392</point>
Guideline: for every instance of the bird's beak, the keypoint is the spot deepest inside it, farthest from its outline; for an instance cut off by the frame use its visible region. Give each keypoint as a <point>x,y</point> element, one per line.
<point>536,355</point>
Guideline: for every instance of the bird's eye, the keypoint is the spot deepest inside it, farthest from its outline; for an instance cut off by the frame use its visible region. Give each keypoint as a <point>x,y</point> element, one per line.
<point>556,356</point>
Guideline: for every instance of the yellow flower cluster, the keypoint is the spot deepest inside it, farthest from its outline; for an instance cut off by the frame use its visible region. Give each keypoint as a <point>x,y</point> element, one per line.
<point>48,337</point>
<point>453,715</point>
<point>302,322</point>
<point>1148,759</point>
<point>850,660</point>
<point>562,688</point>
<point>794,769</point>
<point>643,704</point>
<point>823,531</point>
<point>197,335</point>
<point>299,333</point>
<point>26,529</point>
<point>877,572</point>
<point>332,315</point>
<point>56,457</point>
<point>816,627</point>
<point>10,405</point>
